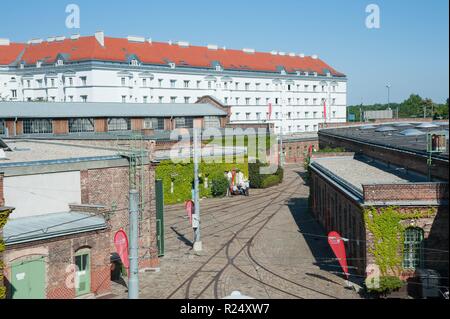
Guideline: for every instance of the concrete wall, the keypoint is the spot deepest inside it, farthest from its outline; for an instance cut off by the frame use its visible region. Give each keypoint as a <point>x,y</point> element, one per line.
<point>33,195</point>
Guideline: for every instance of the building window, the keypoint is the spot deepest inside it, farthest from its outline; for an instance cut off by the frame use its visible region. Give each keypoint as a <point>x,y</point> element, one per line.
<point>258,100</point>
<point>83,81</point>
<point>247,101</point>
<point>226,101</point>
<point>173,99</point>
<point>186,99</point>
<point>412,252</point>
<point>247,86</point>
<point>314,115</point>
<point>154,123</point>
<point>334,114</point>
<point>123,81</point>
<point>39,126</point>
<point>306,115</point>
<point>211,122</point>
<point>71,98</point>
<point>144,82</point>
<point>84,98</point>
<point>119,124</point>
<point>145,99</point>
<point>247,116</point>
<point>236,85</point>
<point>52,81</point>
<point>2,127</point>
<point>81,125</point>
<point>160,82</point>
<point>209,85</point>
<point>306,101</point>
<point>39,83</point>
<point>257,86</point>
<point>237,101</point>
<point>160,99</point>
<point>184,122</point>
<point>124,98</point>
<point>14,94</point>
<point>314,101</point>
<point>173,83</point>
<point>306,88</point>
<point>198,84</point>
<point>333,101</point>
<point>186,84</point>
<point>258,116</point>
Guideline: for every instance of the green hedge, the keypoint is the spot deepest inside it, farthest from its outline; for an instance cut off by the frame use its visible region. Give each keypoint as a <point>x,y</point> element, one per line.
<point>263,181</point>
<point>183,176</point>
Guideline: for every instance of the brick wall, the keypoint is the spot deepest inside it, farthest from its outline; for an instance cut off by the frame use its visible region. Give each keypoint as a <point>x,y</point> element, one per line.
<point>406,192</point>
<point>110,187</point>
<point>60,127</point>
<point>296,151</point>
<point>59,255</point>
<point>335,211</point>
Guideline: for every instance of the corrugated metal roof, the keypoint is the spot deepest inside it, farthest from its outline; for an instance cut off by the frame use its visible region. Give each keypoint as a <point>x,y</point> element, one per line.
<point>77,110</point>
<point>47,226</point>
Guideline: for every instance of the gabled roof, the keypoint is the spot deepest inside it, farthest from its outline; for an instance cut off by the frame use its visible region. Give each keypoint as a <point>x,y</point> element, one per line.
<point>161,53</point>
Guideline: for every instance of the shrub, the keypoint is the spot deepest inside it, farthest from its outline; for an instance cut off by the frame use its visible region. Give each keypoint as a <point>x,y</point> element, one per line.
<point>263,181</point>
<point>386,285</point>
<point>219,186</point>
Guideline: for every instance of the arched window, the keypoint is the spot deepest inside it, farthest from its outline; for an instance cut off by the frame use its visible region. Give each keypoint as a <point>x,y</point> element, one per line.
<point>412,253</point>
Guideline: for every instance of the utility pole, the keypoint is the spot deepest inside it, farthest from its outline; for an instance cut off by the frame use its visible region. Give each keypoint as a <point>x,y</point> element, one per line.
<point>196,217</point>
<point>133,281</point>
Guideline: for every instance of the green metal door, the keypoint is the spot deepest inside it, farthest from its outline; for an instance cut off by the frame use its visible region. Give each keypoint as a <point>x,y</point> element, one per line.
<point>83,275</point>
<point>28,279</point>
<point>160,216</point>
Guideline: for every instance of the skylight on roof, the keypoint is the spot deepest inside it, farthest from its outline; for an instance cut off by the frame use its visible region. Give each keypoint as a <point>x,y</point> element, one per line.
<point>427,125</point>
<point>367,127</point>
<point>412,132</point>
<point>386,129</point>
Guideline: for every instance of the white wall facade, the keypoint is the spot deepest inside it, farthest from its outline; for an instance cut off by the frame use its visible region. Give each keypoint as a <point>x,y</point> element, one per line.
<point>41,194</point>
<point>248,93</point>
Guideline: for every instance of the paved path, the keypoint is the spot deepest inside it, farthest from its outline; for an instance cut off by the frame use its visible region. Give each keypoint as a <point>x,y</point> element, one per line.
<point>257,245</point>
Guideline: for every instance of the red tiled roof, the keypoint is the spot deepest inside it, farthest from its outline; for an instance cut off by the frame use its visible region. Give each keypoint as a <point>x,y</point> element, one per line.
<point>9,53</point>
<point>118,50</point>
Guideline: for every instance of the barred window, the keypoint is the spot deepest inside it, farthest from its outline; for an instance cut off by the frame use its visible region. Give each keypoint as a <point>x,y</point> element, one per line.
<point>81,125</point>
<point>184,122</point>
<point>2,127</point>
<point>212,122</point>
<point>119,124</point>
<point>40,126</point>
<point>154,123</point>
<point>412,252</point>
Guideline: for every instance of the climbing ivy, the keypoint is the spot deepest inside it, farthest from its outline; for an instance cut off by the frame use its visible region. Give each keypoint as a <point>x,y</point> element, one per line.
<point>3,219</point>
<point>385,224</point>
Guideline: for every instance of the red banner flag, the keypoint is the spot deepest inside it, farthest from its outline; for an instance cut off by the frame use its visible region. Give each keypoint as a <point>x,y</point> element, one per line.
<point>121,243</point>
<point>270,111</point>
<point>325,109</point>
<point>337,245</point>
<point>189,206</point>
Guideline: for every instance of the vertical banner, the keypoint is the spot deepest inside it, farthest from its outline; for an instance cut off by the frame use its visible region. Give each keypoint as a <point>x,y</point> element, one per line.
<point>121,243</point>
<point>337,245</point>
<point>325,110</point>
<point>270,111</point>
<point>189,206</point>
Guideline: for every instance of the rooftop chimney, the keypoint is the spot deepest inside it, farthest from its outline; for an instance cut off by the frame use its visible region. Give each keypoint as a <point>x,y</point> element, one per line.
<point>4,42</point>
<point>100,37</point>
<point>315,56</point>
<point>213,47</point>
<point>132,38</point>
<point>75,36</point>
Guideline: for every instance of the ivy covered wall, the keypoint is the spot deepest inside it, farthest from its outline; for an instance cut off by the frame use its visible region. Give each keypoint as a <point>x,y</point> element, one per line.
<point>4,214</point>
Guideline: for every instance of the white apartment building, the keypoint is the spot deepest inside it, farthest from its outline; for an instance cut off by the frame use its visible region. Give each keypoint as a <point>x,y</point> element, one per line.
<point>138,70</point>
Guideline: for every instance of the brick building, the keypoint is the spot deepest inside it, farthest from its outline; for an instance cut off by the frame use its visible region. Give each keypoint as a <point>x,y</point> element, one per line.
<point>346,189</point>
<point>402,143</point>
<point>69,202</point>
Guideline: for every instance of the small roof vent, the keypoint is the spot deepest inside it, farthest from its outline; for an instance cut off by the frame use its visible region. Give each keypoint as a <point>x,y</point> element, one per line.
<point>51,39</point>
<point>60,38</point>
<point>274,52</point>
<point>251,51</point>
<point>74,36</point>
<point>213,47</point>
<point>36,41</point>
<point>132,38</point>
<point>315,56</point>
<point>4,41</point>
<point>302,55</point>
<point>292,54</point>
<point>183,44</point>
<point>282,53</point>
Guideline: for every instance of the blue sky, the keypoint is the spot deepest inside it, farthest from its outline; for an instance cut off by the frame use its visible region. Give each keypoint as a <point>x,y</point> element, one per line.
<point>410,50</point>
